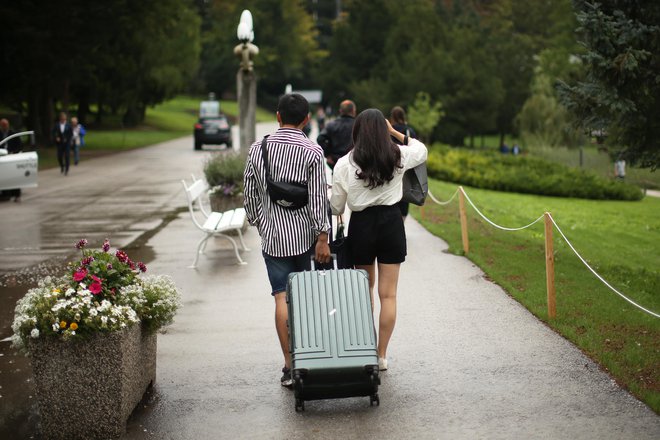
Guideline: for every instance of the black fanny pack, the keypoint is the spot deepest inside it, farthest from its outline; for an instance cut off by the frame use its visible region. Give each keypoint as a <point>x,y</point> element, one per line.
<point>289,195</point>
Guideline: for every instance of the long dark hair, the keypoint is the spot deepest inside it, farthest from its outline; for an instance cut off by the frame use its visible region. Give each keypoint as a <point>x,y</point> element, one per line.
<point>373,149</point>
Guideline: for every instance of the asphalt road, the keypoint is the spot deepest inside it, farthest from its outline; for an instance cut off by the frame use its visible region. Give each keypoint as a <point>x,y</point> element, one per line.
<point>466,361</point>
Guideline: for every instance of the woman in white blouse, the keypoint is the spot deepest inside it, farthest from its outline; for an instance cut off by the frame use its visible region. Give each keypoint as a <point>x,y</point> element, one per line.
<point>368,180</point>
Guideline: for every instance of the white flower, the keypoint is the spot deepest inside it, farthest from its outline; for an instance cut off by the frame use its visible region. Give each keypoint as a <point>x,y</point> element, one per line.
<point>34,333</point>
<point>69,291</point>
<point>93,312</point>
<point>73,332</point>
<point>56,327</point>
<point>104,319</point>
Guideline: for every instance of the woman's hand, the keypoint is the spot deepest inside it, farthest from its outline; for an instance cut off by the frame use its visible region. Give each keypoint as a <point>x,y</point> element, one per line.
<point>390,129</point>
<point>398,136</point>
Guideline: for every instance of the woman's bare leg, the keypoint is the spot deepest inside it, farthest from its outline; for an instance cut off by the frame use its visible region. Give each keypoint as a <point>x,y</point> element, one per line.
<point>371,270</point>
<point>388,279</point>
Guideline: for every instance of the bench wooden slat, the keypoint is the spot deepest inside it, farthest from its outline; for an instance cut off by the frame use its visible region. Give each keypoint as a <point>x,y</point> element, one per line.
<point>225,221</point>
<point>238,217</point>
<point>211,223</point>
<point>196,189</point>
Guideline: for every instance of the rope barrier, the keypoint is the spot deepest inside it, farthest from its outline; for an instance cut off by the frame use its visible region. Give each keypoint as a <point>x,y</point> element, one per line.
<point>560,232</point>
<point>494,224</point>
<point>597,275</point>
<point>443,203</point>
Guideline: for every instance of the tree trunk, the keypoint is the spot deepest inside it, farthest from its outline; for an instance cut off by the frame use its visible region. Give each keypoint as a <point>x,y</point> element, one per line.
<point>66,97</point>
<point>83,107</point>
<point>34,117</point>
<point>99,113</point>
<point>502,138</point>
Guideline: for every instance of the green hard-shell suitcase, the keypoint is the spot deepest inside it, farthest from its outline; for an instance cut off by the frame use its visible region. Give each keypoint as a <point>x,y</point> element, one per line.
<point>332,335</point>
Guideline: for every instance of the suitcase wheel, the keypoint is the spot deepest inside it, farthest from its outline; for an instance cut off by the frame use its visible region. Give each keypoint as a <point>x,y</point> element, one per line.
<point>300,405</point>
<point>374,398</point>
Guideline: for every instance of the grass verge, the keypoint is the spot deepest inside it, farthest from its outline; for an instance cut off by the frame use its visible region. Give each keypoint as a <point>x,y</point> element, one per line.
<point>619,239</point>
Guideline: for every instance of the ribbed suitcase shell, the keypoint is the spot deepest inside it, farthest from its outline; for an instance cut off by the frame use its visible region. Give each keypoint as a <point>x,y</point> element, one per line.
<point>332,335</point>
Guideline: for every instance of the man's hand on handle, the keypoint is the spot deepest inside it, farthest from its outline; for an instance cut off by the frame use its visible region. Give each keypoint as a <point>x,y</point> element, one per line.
<point>322,252</point>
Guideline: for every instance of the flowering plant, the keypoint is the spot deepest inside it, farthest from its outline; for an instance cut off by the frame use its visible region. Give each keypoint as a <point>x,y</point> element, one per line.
<point>102,292</point>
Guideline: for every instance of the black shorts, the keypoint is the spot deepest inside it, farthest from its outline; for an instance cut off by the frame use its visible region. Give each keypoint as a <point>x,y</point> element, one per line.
<point>377,233</point>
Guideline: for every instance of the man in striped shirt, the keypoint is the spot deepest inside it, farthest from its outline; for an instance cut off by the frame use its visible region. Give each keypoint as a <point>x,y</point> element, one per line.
<point>288,237</point>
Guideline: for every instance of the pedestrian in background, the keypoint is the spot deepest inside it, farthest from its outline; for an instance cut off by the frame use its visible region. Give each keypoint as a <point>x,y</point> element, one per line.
<point>78,139</point>
<point>62,135</point>
<point>288,237</point>
<point>335,138</point>
<point>12,146</point>
<point>620,168</point>
<point>399,123</point>
<point>369,181</point>
<point>320,118</point>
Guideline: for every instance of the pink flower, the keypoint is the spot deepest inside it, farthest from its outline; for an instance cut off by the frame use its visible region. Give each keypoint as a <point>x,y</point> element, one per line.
<point>95,288</point>
<point>81,244</point>
<point>106,245</point>
<point>142,266</point>
<point>80,274</point>
<point>121,256</point>
<point>95,278</point>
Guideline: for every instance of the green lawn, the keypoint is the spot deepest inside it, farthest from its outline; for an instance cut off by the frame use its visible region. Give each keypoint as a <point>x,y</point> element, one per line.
<point>599,162</point>
<point>169,120</point>
<point>619,239</point>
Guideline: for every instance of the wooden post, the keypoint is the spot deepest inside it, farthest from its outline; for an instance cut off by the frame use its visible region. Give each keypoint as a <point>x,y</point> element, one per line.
<point>463,215</point>
<point>550,267</point>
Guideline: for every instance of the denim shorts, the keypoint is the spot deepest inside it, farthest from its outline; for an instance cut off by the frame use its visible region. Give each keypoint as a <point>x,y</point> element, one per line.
<point>279,268</point>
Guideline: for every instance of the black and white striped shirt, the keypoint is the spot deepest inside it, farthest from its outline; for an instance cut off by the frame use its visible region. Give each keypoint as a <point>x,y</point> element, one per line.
<point>292,157</point>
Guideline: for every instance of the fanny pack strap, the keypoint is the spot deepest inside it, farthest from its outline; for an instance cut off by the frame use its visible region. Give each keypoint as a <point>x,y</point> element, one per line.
<point>264,155</point>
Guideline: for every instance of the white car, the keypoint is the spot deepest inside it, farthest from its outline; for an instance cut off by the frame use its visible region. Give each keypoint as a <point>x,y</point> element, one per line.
<point>18,170</point>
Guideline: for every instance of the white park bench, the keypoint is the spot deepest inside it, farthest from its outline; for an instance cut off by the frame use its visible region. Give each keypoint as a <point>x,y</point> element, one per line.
<point>215,223</point>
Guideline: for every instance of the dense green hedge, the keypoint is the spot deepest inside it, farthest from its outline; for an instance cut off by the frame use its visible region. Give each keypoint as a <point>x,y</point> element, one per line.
<point>523,174</point>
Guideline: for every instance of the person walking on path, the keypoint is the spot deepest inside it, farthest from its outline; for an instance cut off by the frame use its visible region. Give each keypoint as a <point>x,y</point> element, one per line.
<point>12,146</point>
<point>369,181</point>
<point>335,138</point>
<point>399,123</point>
<point>62,135</point>
<point>78,138</point>
<point>288,237</point>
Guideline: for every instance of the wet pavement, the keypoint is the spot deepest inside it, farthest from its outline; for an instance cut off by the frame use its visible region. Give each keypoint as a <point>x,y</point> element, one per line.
<point>126,197</point>
<point>466,360</point>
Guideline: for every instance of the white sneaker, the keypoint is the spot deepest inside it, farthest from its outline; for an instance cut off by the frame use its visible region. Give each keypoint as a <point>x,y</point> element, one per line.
<point>382,364</point>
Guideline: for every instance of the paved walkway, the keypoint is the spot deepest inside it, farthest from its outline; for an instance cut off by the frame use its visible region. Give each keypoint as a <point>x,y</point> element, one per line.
<point>467,361</point>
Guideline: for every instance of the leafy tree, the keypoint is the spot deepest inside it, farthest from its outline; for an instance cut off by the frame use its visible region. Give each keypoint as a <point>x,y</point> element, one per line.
<point>357,49</point>
<point>543,120</point>
<point>117,53</point>
<point>621,90</point>
<point>424,115</point>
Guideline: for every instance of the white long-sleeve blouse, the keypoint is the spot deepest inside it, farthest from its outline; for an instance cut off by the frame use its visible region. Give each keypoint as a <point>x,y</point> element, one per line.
<point>347,189</point>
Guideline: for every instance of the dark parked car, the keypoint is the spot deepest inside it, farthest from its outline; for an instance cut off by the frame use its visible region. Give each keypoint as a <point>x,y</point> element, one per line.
<point>212,131</point>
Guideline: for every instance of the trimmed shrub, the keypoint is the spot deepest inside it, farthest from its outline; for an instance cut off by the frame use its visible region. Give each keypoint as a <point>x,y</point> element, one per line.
<point>523,174</point>
<point>224,171</point>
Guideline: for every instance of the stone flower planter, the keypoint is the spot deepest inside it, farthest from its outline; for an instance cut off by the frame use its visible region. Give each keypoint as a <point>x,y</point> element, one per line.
<point>87,389</point>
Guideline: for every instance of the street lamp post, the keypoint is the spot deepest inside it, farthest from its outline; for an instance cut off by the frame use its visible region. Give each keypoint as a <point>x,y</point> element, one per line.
<point>246,81</point>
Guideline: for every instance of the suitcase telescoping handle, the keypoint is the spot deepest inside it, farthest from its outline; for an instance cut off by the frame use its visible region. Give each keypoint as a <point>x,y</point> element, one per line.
<point>334,261</point>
